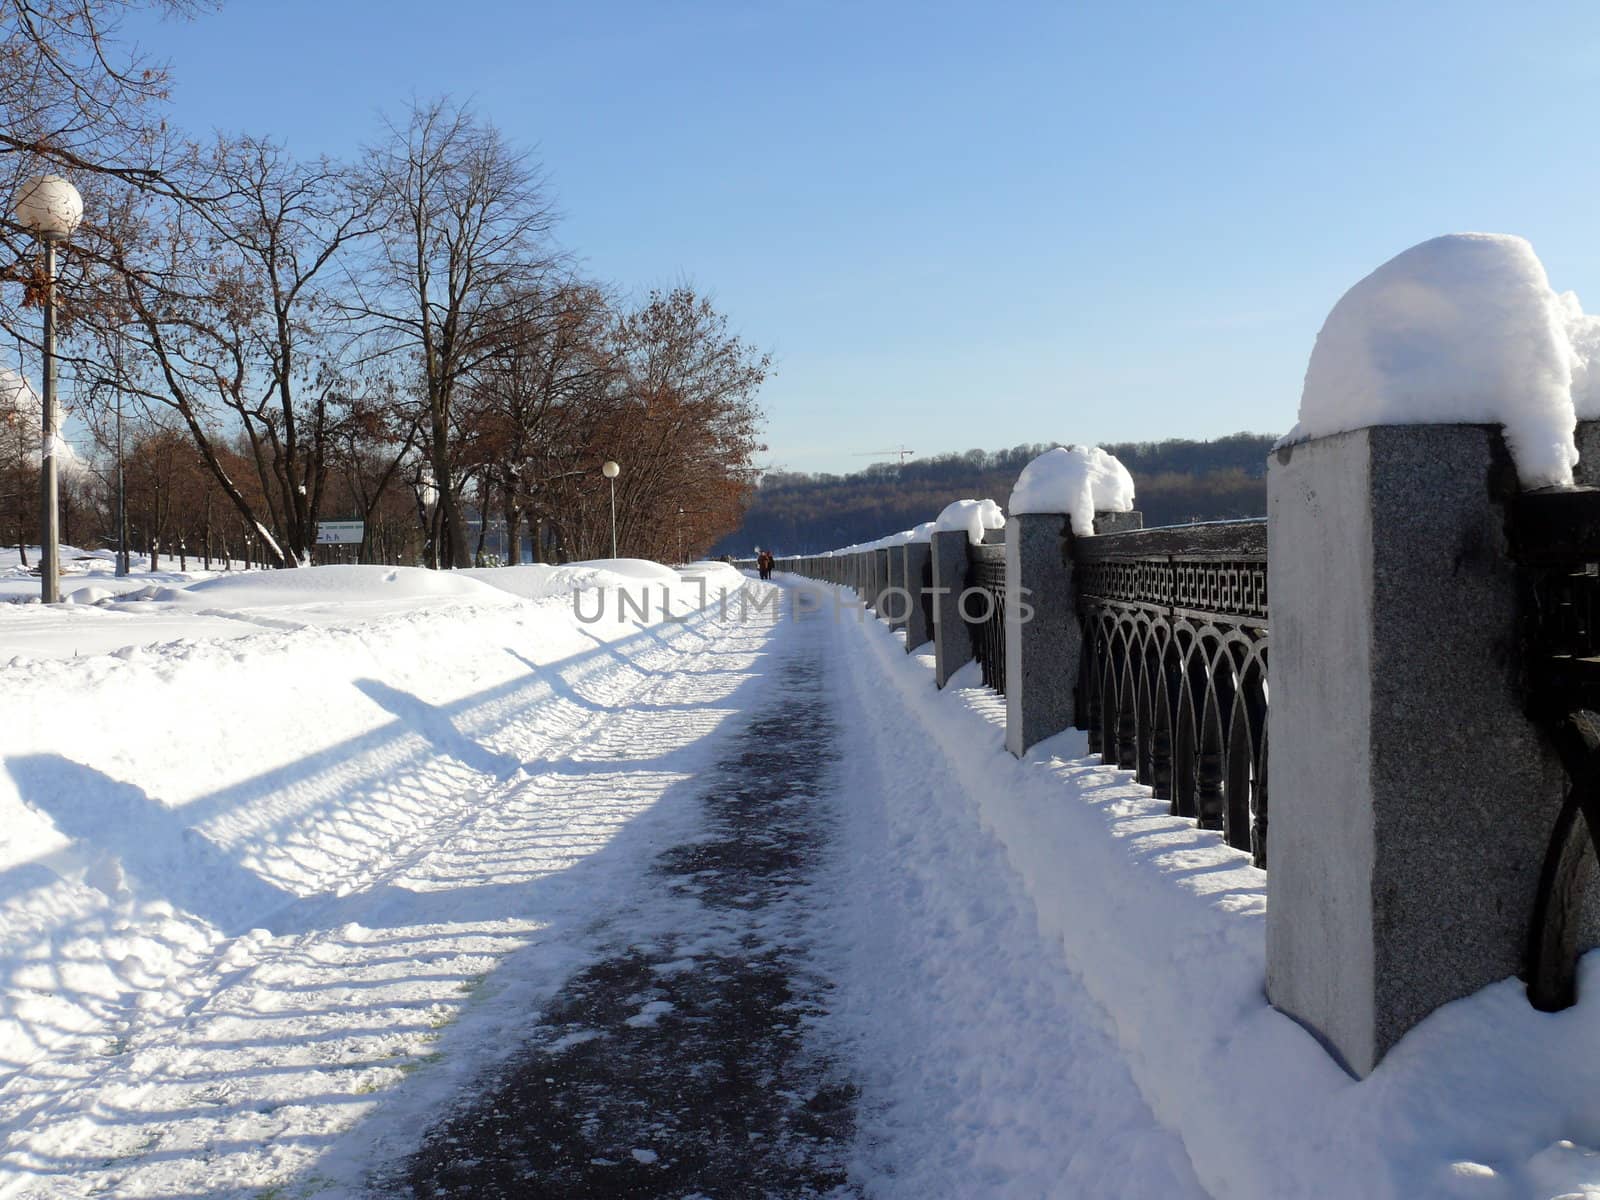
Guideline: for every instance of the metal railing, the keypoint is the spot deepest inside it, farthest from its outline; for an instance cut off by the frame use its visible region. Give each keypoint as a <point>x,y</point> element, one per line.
<point>983,608</point>
<point>1556,544</point>
<point>1173,669</point>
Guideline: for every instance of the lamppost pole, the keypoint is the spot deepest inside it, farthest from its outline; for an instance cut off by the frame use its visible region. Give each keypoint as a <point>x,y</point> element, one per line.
<point>124,566</point>
<point>50,208</point>
<point>49,486</point>
<point>611,470</point>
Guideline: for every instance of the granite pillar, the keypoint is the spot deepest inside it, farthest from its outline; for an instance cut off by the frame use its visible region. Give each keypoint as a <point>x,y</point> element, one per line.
<point>1411,799</point>
<point>952,645</point>
<point>1044,637</point>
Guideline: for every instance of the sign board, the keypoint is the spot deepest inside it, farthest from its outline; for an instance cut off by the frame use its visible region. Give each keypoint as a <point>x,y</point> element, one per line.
<point>340,533</point>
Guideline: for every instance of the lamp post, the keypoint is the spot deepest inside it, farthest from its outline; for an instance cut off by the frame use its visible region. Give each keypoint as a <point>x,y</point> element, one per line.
<point>124,566</point>
<point>680,533</point>
<point>49,208</point>
<point>610,470</point>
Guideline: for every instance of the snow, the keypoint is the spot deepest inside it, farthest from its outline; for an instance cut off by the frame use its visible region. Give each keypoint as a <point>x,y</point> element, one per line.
<point>975,516</point>
<point>271,900</point>
<point>1080,480</point>
<point>1462,328</point>
<point>1163,926</point>
<point>254,887</point>
<point>103,613</point>
<point>1583,331</point>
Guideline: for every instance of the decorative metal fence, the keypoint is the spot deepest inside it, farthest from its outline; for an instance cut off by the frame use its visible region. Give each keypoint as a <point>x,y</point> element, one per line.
<point>1173,669</point>
<point>1556,543</point>
<point>983,608</point>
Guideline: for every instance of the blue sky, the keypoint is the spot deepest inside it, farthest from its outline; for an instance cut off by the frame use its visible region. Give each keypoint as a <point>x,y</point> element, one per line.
<point>975,225</point>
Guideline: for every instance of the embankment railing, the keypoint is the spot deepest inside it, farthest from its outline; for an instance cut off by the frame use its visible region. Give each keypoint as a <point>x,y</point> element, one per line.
<point>983,608</point>
<point>1173,668</point>
<point>1424,693</point>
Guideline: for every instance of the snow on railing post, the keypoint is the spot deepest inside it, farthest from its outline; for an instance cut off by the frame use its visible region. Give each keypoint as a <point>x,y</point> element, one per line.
<point>1413,798</point>
<point>1066,489</point>
<point>1043,636</point>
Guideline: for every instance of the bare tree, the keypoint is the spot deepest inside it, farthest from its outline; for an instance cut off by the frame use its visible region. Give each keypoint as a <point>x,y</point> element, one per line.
<point>552,373</point>
<point>465,223</point>
<point>212,311</point>
<point>287,222</point>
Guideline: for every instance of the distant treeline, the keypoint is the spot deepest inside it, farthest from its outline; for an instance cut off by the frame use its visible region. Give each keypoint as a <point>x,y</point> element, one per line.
<point>1176,481</point>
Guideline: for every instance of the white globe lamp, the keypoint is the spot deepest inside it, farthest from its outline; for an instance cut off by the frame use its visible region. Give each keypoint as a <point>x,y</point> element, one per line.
<point>49,207</point>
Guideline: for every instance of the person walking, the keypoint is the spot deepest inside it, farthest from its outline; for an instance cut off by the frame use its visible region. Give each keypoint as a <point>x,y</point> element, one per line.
<point>764,562</point>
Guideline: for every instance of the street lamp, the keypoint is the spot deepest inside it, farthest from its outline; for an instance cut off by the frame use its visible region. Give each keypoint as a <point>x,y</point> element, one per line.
<point>49,208</point>
<point>610,470</point>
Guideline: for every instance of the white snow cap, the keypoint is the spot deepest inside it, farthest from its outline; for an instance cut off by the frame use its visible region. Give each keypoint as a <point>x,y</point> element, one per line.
<point>923,532</point>
<point>1081,480</point>
<point>1461,328</point>
<point>974,516</point>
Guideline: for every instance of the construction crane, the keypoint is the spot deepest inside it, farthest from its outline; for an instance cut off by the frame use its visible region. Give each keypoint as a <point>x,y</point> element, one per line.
<point>901,451</point>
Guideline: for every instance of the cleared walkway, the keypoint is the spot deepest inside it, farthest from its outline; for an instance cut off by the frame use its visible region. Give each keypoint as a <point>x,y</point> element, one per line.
<point>680,1064</point>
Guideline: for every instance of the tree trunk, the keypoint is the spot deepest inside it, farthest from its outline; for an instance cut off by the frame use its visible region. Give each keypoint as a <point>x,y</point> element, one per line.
<point>513,531</point>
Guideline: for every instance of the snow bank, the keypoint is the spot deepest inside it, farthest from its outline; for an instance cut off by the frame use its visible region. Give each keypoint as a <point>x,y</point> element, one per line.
<point>1463,328</point>
<point>632,568</point>
<point>104,614</point>
<point>333,584</point>
<point>1081,480</point>
<point>714,574</point>
<point>975,516</point>
<point>246,885</point>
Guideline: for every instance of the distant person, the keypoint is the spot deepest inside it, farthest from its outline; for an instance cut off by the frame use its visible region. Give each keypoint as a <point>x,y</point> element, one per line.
<point>764,564</point>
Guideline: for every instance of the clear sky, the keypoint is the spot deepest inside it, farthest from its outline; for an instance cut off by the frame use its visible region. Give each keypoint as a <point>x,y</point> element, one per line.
<point>978,224</point>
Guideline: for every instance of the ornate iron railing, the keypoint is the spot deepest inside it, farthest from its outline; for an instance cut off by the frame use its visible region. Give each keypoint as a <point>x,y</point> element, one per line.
<point>1556,541</point>
<point>1173,670</point>
<point>983,608</point>
<point>922,594</point>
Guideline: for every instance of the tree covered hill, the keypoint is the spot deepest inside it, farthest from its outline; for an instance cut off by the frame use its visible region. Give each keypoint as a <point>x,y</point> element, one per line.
<point>1176,481</point>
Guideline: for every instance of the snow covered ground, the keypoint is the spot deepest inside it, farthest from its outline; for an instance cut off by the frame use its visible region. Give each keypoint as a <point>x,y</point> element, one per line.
<point>274,903</point>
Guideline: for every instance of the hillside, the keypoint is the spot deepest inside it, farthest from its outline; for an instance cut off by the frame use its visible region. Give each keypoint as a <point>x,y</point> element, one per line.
<point>1177,481</point>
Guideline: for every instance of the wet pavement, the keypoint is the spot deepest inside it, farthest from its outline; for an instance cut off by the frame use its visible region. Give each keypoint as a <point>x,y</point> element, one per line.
<point>686,1065</point>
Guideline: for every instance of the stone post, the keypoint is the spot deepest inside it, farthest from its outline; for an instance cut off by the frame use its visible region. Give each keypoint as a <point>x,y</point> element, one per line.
<point>880,580</point>
<point>894,603</point>
<point>919,562</point>
<point>1411,799</point>
<point>952,645</point>
<point>1044,637</point>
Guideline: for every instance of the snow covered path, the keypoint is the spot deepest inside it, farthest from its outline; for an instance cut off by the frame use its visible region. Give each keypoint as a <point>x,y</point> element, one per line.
<point>837,988</point>
<point>691,908</point>
<point>694,1056</point>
